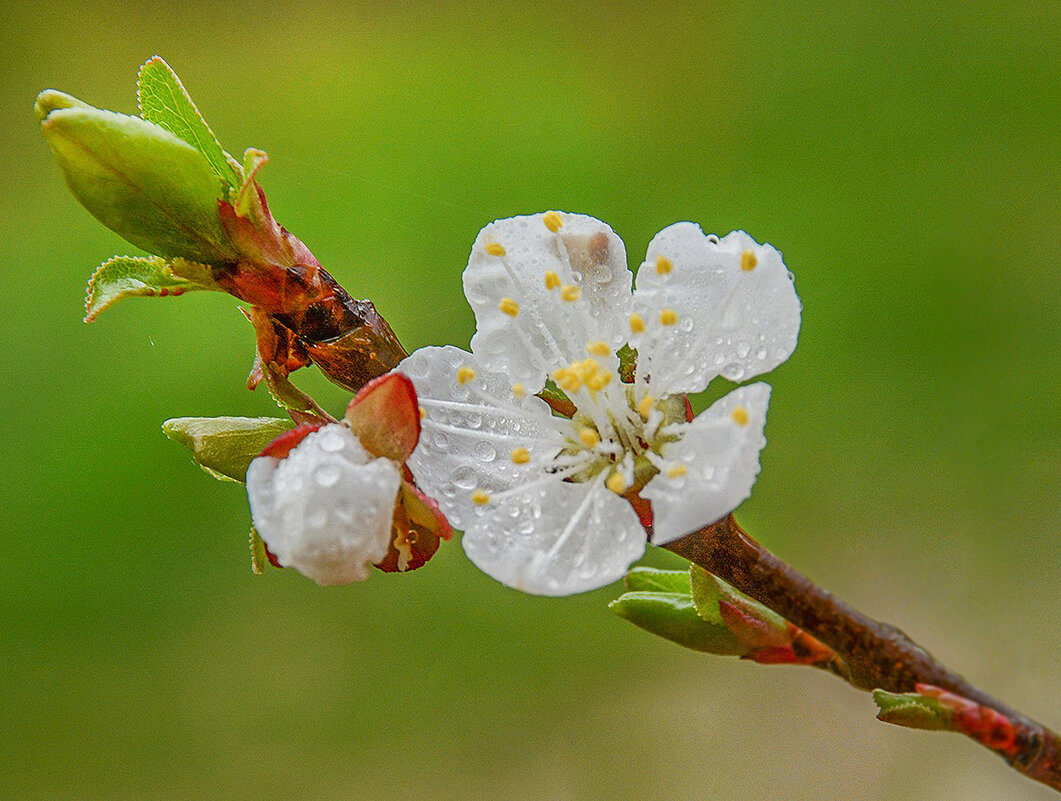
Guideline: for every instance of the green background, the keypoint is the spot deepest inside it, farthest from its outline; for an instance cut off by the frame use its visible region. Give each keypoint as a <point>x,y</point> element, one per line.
<point>906,160</point>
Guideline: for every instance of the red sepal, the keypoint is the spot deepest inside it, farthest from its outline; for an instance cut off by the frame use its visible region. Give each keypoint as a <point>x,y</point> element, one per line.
<point>385,416</point>
<point>416,531</point>
<point>280,447</point>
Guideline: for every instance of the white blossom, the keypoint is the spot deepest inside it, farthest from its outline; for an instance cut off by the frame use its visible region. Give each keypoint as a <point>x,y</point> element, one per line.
<point>326,508</point>
<point>544,501</point>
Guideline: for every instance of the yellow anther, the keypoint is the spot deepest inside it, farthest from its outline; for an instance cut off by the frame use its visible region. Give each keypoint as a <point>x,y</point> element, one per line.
<point>481,497</point>
<point>552,221</point>
<point>423,412</point>
<point>520,455</point>
<point>599,381</point>
<point>676,471</point>
<point>465,374</point>
<point>740,416</point>
<point>668,317</point>
<point>509,307</point>
<point>571,292</point>
<point>637,323</point>
<point>589,436</point>
<point>663,265</point>
<point>567,379</point>
<point>598,348</point>
<point>552,280</point>
<point>748,261</point>
<point>518,390</point>
<point>645,406</point>
<point>616,483</point>
<point>586,369</point>
<point>494,249</point>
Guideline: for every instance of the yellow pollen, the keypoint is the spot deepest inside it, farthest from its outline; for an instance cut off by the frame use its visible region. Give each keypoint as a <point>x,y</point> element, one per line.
<point>740,416</point>
<point>668,317</point>
<point>616,483</point>
<point>637,324</point>
<point>567,379</point>
<point>552,221</point>
<point>598,348</point>
<point>465,374</point>
<point>481,497</point>
<point>423,412</point>
<point>518,390</point>
<point>494,249</point>
<point>663,265</point>
<point>599,381</point>
<point>645,406</point>
<point>748,261</point>
<point>676,470</point>
<point>571,292</point>
<point>509,307</point>
<point>586,369</point>
<point>552,280</point>
<point>520,455</point>
<point>590,438</point>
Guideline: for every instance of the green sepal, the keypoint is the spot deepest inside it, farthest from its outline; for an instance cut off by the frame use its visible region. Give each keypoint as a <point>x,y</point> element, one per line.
<point>913,711</point>
<point>673,616</point>
<point>225,446</point>
<point>652,579</point>
<point>164,101</point>
<point>143,276</point>
<point>259,558</point>
<point>148,186</point>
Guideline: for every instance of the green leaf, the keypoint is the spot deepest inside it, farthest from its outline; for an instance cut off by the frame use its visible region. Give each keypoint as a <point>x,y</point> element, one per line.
<point>225,445</point>
<point>138,179</point>
<point>165,102</point>
<point>708,590</point>
<point>913,710</point>
<point>651,579</point>
<point>259,558</point>
<point>138,276</point>
<point>674,617</point>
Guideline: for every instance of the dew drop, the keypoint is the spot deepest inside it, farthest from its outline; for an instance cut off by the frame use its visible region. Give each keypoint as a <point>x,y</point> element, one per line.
<point>464,477</point>
<point>485,452</point>
<point>327,475</point>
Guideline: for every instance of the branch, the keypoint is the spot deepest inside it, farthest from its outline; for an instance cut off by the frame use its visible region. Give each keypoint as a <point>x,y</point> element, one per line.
<point>877,656</point>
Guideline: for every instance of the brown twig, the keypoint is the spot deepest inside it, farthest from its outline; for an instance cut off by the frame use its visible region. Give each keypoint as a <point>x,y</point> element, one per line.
<point>877,655</point>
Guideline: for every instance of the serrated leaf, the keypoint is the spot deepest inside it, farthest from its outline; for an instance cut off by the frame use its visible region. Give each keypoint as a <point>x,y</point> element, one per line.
<point>148,186</point>
<point>912,710</point>
<point>165,102</point>
<point>225,445</point>
<point>139,276</point>
<point>651,579</point>
<point>708,590</point>
<point>674,617</point>
<point>259,558</point>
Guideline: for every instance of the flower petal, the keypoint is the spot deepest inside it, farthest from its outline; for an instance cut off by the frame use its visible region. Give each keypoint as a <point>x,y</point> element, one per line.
<point>712,307</point>
<point>713,464</point>
<point>556,537</point>
<point>542,287</point>
<point>472,422</point>
<point>326,508</point>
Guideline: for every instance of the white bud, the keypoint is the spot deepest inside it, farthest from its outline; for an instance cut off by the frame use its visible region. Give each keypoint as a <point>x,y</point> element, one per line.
<point>326,508</point>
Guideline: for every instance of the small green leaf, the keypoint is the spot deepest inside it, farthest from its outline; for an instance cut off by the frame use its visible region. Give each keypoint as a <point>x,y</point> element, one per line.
<point>708,590</point>
<point>138,276</point>
<point>651,579</point>
<point>165,102</point>
<point>225,445</point>
<point>248,204</point>
<point>674,617</point>
<point>148,186</point>
<point>913,711</point>
<point>259,558</point>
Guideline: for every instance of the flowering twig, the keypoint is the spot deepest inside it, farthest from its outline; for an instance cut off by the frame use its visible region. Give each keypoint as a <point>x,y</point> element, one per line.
<point>878,656</point>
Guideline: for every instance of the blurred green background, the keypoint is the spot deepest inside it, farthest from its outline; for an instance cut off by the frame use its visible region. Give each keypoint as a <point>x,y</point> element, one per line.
<point>907,160</point>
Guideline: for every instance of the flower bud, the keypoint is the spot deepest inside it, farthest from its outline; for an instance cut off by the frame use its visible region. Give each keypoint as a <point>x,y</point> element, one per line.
<point>326,508</point>
<point>145,184</point>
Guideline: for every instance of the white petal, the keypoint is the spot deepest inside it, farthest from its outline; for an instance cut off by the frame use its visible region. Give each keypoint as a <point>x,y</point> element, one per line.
<point>720,453</point>
<point>731,321</point>
<point>326,508</point>
<point>547,332</point>
<point>556,538</point>
<point>470,430</point>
